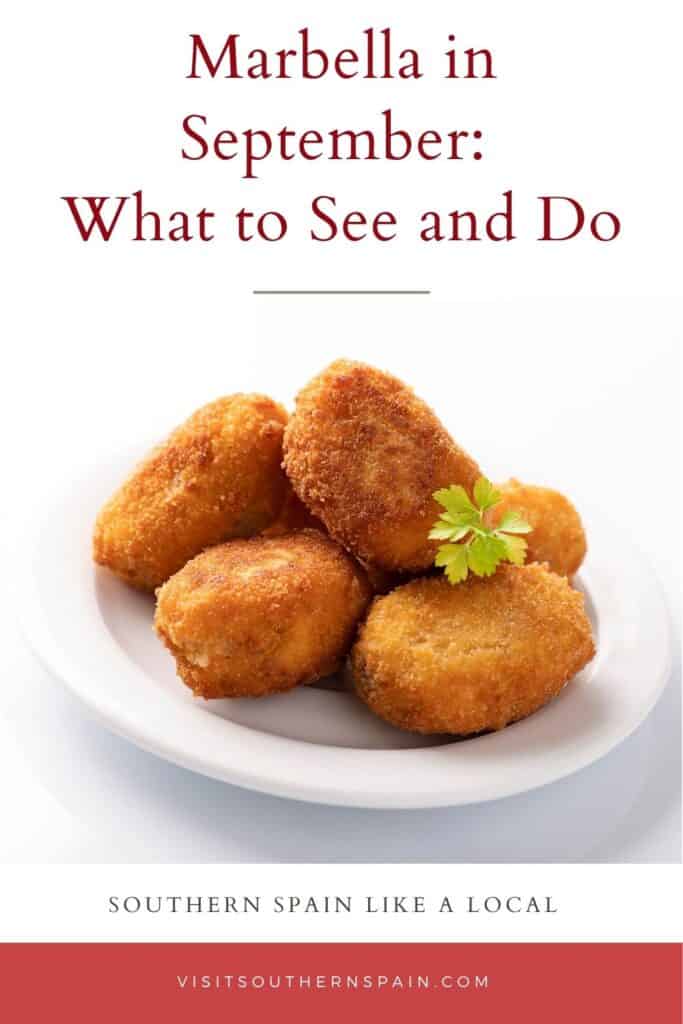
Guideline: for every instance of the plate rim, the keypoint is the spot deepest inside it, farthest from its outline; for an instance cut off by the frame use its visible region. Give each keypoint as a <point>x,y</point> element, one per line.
<point>60,664</point>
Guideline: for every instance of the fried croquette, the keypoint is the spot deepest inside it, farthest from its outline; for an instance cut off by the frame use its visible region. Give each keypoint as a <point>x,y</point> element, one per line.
<point>293,516</point>
<point>365,454</point>
<point>557,535</point>
<point>217,476</point>
<point>382,581</point>
<point>253,617</point>
<point>437,658</point>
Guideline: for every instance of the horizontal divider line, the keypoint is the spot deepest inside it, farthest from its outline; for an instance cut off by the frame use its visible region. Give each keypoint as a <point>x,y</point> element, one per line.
<point>341,291</point>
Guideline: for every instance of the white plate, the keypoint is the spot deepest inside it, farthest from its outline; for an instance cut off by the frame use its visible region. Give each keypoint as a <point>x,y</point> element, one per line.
<point>318,743</point>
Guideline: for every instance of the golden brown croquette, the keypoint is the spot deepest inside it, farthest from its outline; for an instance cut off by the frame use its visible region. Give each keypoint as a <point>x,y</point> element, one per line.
<point>382,581</point>
<point>557,535</point>
<point>365,454</point>
<point>253,617</point>
<point>437,658</point>
<point>217,476</point>
<point>293,516</point>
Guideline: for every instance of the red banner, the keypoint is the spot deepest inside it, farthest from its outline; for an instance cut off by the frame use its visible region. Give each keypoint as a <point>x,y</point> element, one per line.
<point>537,984</point>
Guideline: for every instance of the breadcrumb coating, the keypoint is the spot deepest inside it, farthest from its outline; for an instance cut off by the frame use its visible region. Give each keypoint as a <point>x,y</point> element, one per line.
<point>557,536</point>
<point>365,454</point>
<point>437,658</point>
<point>382,581</point>
<point>217,476</point>
<point>293,516</point>
<point>253,617</point>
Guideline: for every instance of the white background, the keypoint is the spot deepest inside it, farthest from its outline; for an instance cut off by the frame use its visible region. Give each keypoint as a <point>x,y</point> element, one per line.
<point>556,363</point>
<point>605,903</point>
<point>598,423</point>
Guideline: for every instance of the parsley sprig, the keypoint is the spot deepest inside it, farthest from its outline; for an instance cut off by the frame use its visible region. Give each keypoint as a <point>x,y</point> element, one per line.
<point>472,544</point>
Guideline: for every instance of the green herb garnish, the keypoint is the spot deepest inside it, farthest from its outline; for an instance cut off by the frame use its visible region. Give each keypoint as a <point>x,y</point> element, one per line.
<point>472,544</point>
